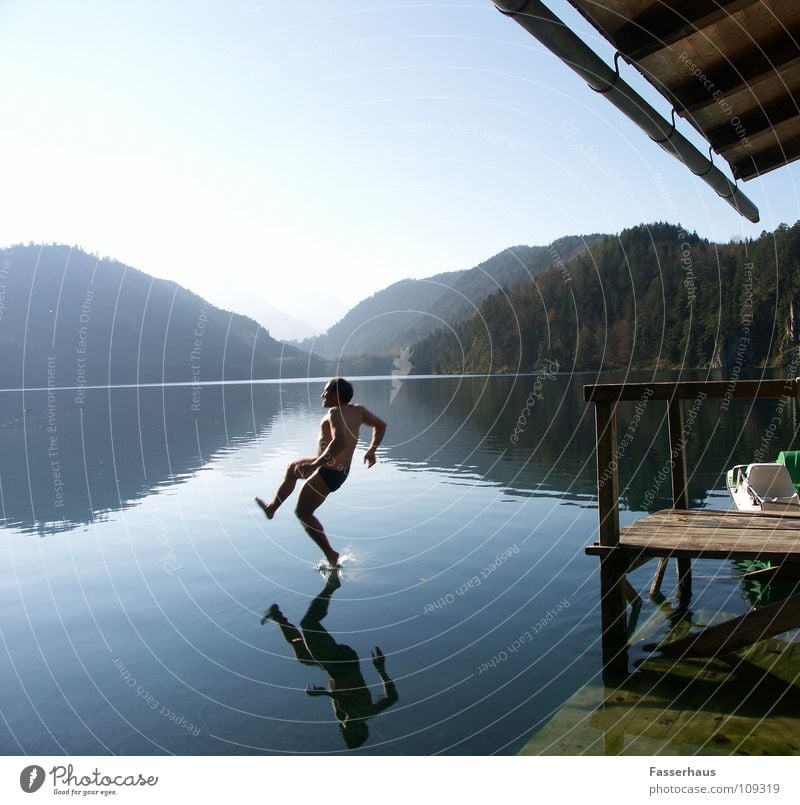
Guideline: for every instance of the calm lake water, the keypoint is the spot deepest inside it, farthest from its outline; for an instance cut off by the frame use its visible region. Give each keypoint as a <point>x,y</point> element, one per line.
<point>136,567</point>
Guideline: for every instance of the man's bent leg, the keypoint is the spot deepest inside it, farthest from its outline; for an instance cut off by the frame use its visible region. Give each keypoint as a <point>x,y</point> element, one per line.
<point>290,633</point>
<point>284,490</point>
<point>312,496</point>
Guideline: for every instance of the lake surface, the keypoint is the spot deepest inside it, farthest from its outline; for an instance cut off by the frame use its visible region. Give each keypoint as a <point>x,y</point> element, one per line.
<point>136,567</point>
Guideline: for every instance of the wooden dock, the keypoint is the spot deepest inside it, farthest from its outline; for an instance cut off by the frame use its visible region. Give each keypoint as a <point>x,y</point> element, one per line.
<point>679,532</point>
<point>707,534</point>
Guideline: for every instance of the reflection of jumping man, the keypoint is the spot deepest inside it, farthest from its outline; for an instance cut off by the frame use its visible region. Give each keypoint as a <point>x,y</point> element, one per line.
<point>326,472</point>
<point>347,690</point>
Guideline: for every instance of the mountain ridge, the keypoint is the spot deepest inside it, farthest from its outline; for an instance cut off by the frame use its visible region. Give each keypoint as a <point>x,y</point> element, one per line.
<point>70,318</point>
<point>406,311</point>
<point>654,296</point>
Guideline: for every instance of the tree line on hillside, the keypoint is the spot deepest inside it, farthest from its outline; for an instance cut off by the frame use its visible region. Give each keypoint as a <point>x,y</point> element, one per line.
<point>655,296</point>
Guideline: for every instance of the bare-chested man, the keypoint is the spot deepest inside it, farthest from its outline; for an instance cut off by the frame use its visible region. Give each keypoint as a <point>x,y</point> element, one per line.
<point>328,470</point>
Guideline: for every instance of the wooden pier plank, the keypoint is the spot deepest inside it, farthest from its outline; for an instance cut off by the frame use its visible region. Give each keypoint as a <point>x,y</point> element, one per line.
<point>711,534</point>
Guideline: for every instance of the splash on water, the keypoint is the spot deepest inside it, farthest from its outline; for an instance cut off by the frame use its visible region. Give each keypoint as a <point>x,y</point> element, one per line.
<point>346,557</point>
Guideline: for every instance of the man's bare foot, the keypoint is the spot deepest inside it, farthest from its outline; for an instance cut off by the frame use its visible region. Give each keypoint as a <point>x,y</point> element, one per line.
<point>273,614</point>
<point>267,508</point>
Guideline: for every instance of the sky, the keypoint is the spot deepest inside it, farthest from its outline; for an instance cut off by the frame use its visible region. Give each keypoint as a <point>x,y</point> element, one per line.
<point>293,151</point>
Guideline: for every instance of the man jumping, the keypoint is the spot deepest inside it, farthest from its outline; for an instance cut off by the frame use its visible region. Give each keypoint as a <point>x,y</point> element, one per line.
<point>328,470</point>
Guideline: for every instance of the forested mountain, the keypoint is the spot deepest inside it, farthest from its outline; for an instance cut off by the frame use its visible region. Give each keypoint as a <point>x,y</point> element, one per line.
<point>408,310</point>
<point>654,296</point>
<point>68,318</point>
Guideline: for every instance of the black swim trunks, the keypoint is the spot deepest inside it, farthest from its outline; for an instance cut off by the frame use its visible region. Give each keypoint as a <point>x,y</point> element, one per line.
<point>334,477</point>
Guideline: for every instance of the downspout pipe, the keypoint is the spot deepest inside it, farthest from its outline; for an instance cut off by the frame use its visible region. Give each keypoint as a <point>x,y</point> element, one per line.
<point>545,26</point>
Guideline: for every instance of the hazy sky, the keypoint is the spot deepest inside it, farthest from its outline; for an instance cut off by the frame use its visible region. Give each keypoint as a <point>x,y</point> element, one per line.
<point>339,145</point>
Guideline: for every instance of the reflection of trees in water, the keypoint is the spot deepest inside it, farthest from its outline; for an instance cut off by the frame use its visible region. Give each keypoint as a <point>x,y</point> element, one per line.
<point>717,439</point>
<point>347,690</point>
<point>465,425</point>
<point>116,447</point>
<point>119,445</point>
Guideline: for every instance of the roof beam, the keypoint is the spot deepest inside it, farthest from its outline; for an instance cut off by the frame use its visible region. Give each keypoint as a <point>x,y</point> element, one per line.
<point>752,166</point>
<point>753,123</point>
<point>548,29</point>
<point>758,63</point>
<point>662,25</point>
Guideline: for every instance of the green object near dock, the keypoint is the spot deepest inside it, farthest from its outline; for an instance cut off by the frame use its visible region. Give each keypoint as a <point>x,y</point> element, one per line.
<point>791,460</point>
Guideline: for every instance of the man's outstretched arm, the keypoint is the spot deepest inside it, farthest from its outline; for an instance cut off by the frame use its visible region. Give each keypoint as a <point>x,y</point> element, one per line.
<point>378,431</point>
<point>389,691</point>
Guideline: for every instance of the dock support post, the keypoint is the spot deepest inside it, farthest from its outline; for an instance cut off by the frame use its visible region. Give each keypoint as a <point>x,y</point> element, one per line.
<point>680,493</point>
<point>613,606</point>
<point>655,587</point>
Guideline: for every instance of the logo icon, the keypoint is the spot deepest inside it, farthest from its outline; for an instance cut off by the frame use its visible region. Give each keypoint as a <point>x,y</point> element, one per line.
<point>403,367</point>
<point>31,779</point>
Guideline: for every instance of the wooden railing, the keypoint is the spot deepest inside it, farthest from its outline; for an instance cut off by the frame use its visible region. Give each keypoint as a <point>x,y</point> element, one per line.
<point>613,568</point>
<point>606,396</point>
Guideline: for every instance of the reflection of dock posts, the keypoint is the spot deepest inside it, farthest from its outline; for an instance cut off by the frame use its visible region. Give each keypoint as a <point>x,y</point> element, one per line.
<point>613,566</point>
<point>680,495</point>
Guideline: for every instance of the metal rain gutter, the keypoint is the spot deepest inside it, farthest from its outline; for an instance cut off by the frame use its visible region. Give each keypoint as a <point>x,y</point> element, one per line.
<point>545,26</point>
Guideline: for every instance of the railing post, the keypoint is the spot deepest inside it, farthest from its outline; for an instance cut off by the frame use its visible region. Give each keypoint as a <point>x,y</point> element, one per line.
<point>613,607</point>
<point>607,472</point>
<point>680,492</point>
<point>677,454</point>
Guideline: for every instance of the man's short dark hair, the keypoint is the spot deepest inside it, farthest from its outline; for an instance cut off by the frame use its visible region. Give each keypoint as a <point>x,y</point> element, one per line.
<point>344,389</point>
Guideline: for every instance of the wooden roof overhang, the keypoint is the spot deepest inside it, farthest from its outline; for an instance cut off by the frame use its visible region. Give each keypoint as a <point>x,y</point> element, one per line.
<point>731,68</point>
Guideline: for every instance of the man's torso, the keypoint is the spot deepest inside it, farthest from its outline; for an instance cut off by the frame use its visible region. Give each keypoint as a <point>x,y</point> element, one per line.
<point>346,420</point>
